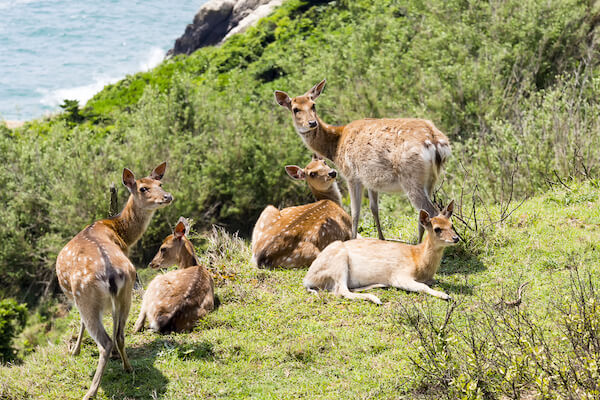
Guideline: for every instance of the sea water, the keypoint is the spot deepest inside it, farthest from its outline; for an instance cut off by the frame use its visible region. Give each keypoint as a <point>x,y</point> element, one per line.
<point>51,50</point>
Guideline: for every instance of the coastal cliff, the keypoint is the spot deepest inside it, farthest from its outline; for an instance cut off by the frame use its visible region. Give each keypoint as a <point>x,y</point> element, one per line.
<point>218,19</point>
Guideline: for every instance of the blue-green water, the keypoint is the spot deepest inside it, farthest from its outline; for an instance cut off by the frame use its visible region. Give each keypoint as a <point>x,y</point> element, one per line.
<point>51,50</point>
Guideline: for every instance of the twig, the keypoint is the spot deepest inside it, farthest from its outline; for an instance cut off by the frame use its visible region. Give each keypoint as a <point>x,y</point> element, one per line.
<point>114,206</point>
<point>516,302</point>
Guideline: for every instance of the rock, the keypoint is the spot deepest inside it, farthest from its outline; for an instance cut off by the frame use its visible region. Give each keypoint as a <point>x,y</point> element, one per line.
<point>219,19</point>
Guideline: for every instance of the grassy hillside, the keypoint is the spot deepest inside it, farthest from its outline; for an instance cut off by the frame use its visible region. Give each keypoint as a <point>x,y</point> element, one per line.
<point>514,84</point>
<point>270,339</point>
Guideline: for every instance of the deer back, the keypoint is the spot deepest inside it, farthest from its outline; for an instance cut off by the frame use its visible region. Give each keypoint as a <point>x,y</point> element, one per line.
<point>174,301</point>
<point>380,151</point>
<point>294,236</point>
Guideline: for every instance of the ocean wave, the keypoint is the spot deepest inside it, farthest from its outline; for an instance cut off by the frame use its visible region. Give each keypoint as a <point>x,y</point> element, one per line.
<point>155,56</point>
<point>54,98</point>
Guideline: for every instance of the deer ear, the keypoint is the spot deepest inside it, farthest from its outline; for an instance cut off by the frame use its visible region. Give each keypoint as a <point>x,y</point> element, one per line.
<point>424,218</point>
<point>283,99</point>
<point>448,210</point>
<point>295,172</point>
<point>316,90</point>
<point>129,180</point>
<point>180,230</point>
<point>186,224</point>
<point>158,172</point>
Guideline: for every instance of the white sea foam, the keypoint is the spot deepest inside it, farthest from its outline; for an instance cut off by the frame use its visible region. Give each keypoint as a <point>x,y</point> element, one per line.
<point>155,56</point>
<point>83,93</point>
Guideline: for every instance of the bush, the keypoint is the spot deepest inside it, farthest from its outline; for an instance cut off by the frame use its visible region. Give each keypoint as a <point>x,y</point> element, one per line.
<point>13,317</point>
<point>504,351</point>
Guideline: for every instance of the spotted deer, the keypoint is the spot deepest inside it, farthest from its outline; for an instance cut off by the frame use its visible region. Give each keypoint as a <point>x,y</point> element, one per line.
<point>362,264</point>
<point>294,236</point>
<point>384,155</point>
<point>175,301</point>
<point>94,270</point>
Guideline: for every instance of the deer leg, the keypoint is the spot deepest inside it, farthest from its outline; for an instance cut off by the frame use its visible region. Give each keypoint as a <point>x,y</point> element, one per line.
<point>374,204</point>
<point>75,350</point>
<point>356,191</point>
<point>420,200</point>
<point>139,323</point>
<point>92,317</point>
<point>373,286</point>
<point>338,270</point>
<point>120,313</point>
<point>414,286</point>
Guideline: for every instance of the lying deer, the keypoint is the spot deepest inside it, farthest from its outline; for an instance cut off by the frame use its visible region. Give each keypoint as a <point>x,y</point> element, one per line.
<point>175,301</point>
<point>362,264</point>
<point>94,270</point>
<point>383,155</point>
<point>294,236</point>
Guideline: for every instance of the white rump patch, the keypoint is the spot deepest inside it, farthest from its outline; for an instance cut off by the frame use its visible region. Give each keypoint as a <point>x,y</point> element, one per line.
<point>428,153</point>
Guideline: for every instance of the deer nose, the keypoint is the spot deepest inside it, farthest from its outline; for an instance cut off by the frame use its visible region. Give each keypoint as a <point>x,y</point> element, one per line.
<point>312,123</point>
<point>167,197</point>
<point>333,174</point>
<point>455,239</point>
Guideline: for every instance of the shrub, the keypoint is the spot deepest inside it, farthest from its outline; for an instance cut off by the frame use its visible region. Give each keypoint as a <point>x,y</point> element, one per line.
<point>13,317</point>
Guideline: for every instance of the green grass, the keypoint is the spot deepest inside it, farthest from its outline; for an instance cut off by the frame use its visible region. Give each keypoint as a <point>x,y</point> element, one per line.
<point>270,339</point>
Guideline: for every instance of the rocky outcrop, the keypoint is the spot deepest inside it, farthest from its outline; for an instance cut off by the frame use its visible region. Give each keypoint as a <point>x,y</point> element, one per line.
<point>218,19</point>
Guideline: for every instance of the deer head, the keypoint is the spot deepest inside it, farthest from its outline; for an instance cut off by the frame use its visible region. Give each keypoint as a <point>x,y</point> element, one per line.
<point>147,192</point>
<point>304,112</point>
<point>318,175</point>
<point>175,249</point>
<point>439,228</point>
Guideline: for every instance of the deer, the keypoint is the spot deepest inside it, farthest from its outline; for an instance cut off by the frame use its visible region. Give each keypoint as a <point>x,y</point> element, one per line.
<point>294,236</point>
<point>362,264</point>
<point>94,270</point>
<point>176,300</point>
<point>384,155</point>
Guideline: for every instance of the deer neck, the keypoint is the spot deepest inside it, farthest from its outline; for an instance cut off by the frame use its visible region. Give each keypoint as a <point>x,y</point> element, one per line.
<point>324,139</point>
<point>187,256</point>
<point>333,194</point>
<point>431,257</point>
<point>131,223</point>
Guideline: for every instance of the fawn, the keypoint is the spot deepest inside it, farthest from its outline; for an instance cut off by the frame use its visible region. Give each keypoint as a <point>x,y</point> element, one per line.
<point>294,236</point>
<point>384,155</point>
<point>362,264</point>
<point>176,300</point>
<point>94,270</point>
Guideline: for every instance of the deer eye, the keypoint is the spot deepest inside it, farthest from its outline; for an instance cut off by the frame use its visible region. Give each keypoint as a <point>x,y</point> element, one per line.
<point>143,189</point>
<point>162,250</point>
<point>295,110</point>
<point>313,107</point>
<point>438,229</point>
<point>313,174</point>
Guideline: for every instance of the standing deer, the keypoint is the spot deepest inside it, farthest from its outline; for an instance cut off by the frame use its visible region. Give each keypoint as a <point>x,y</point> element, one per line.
<point>384,155</point>
<point>362,264</point>
<point>94,270</point>
<point>176,300</point>
<point>294,236</point>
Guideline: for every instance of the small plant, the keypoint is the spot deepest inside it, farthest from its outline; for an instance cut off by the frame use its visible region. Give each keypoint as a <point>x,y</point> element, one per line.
<point>71,112</point>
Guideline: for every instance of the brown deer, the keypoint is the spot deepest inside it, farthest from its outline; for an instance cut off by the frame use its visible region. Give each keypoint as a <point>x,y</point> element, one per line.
<point>362,264</point>
<point>384,155</point>
<point>94,270</point>
<point>175,301</point>
<point>294,236</point>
